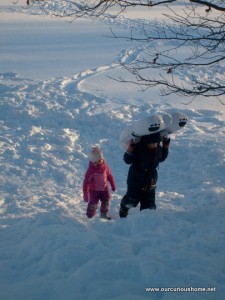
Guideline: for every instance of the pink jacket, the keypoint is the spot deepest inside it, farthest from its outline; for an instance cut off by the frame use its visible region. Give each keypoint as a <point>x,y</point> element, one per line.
<point>96,179</point>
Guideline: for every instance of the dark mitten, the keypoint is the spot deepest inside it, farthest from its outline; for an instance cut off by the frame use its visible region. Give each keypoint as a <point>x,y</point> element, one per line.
<point>166,142</point>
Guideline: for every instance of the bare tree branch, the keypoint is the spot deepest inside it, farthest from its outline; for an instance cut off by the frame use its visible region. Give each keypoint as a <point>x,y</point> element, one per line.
<point>186,52</point>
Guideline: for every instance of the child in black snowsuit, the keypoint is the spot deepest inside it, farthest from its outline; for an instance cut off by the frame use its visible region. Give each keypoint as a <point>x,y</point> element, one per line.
<point>144,158</point>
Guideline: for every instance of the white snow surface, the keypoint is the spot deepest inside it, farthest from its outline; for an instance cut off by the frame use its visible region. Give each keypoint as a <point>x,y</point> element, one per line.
<point>57,100</point>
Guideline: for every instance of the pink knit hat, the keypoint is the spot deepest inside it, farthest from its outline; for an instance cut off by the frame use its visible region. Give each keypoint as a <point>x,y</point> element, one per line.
<point>96,154</point>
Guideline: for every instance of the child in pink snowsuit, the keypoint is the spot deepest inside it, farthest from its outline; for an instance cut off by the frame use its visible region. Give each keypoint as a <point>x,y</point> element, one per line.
<point>95,184</point>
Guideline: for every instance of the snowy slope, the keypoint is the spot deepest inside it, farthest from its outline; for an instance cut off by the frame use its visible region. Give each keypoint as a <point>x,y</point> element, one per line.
<point>49,250</point>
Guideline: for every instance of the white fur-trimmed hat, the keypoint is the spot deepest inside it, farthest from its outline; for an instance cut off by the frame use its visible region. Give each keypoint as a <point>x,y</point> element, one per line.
<point>96,153</point>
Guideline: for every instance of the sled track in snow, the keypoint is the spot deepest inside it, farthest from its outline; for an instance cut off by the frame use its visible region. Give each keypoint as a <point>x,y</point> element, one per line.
<point>47,130</point>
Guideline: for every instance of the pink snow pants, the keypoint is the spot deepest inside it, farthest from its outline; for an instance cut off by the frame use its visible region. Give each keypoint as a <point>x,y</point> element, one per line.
<point>95,196</point>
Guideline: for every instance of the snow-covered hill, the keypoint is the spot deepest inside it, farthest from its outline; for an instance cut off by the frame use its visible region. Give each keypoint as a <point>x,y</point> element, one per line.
<point>49,249</point>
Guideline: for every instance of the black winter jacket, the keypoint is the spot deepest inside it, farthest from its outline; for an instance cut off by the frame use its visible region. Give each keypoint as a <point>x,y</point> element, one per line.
<point>144,163</point>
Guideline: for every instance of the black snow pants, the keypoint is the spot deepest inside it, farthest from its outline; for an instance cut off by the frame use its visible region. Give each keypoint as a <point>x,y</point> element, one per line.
<point>134,196</point>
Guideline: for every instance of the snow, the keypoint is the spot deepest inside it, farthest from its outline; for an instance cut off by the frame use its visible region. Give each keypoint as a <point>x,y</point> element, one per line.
<point>56,101</point>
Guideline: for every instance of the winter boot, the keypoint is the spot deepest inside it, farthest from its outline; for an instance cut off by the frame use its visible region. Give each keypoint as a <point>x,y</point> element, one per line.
<point>152,204</point>
<point>123,213</point>
<point>105,216</point>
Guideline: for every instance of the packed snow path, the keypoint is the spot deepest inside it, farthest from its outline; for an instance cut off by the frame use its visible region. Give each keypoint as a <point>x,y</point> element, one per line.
<point>50,250</point>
